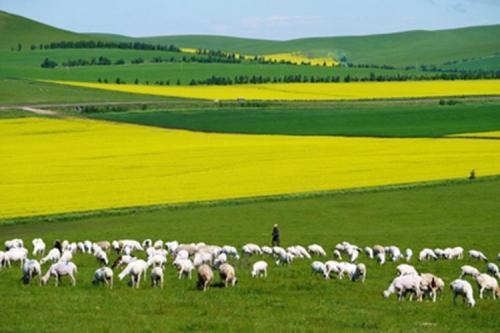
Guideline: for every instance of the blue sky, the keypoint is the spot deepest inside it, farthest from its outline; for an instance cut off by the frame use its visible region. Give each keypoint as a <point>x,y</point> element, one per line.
<point>271,19</point>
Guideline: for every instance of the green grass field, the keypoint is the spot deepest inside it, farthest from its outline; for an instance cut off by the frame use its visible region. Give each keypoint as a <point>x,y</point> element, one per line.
<point>290,299</point>
<point>368,119</point>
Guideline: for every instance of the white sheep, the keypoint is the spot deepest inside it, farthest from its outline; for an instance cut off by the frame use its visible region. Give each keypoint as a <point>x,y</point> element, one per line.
<point>405,269</point>
<point>182,254</point>
<point>101,257</point>
<point>54,255</point>
<point>352,271</point>
<point>250,249</point>
<point>284,259</point>
<point>259,269</point>
<point>475,254</point>
<point>337,255</point>
<point>227,275</point>
<point>3,262</point>
<point>157,260</point>
<point>147,243</point>
<point>58,270</point>
<point>331,266</point>
<point>267,250</point>
<point>201,258</point>
<point>13,243</point>
<point>493,270</point>
<point>456,253</point>
<point>221,259</point>
<point>104,245</point>
<point>487,282</point>
<point>16,254</point>
<point>395,253</point>
<point>303,252</point>
<point>205,277</point>
<point>157,277</point>
<point>427,254</point>
<point>231,251</point>
<point>171,246</point>
<point>38,247</point>
<point>431,285</point>
<point>403,285</point>
<point>409,254</point>
<point>463,288</point>
<point>31,268</point>
<point>317,267</point>
<point>468,270</point>
<point>66,256</point>
<point>184,267</point>
<point>369,252</point>
<point>103,275</point>
<point>123,260</point>
<point>315,249</point>
<point>136,269</point>
<point>380,256</point>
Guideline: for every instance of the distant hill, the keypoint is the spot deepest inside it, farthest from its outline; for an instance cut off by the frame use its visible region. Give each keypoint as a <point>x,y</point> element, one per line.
<point>16,29</point>
<point>396,49</point>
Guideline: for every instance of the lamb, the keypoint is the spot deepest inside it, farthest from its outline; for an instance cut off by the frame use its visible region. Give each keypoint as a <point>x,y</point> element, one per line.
<point>58,270</point>
<point>31,268</point>
<point>38,247</point>
<point>427,254</point>
<point>13,244</point>
<point>184,267</point>
<point>259,269</point>
<point>227,275</point>
<point>493,270</point>
<point>463,288</point>
<point>54,255</point>
<point>405,269</point>
<point>103,275</point>
<point>16,254</point>
<point>157,277</point>
<point>205,277</point>
<point>136,269</point>
<point>315,249</point>
<point>487,282</point>
<point>468,270</point>
<point>404,284</point>
<point>474,254</point>
<point>317,267</point>
<point>409,254</point>
<point>431,285</point>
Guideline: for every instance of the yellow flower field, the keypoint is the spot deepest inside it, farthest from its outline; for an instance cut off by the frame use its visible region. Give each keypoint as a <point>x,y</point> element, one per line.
<point>297,58</point>
<point>66,165</point>
<point>310,91</point>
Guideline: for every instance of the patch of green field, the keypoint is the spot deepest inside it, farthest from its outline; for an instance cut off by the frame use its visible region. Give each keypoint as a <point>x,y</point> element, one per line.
<point>290,299</point>
<point>486,64</point>
<point>387,120</point>
<point>22,92</point>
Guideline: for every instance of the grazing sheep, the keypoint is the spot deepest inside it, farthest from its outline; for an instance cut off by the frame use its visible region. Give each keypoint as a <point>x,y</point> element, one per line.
<point>123,260</point>
<point>182,254</point>
<point>101,257</point>
<point>369,252</point>
<point>279,251</point>
<point>353,271</point>
<point>205,277</point>
<point>171,246</point>
<point>317,267</point>
<point>157,260</point>
<point>493,270</point>
<point>380,256</point>
<point>360,272</point>
<point>201,258</point>
<point>284,259</point>
<point>315,249</point>
<point>147,243</point>
<point>58,270</point>
<point>250,249</point>
<point>230,251</point>
<point>104,245</point>
<point>54,255</point>
<point>2,259</point>
<point>331,266</point>
<point>474,254</point>
<point>403,285</point>
<point>38,247</point>
<point>409,254</point>
<point>103,275</point>
<point>157,277</point>
<point>267,250</point>
<point>440,253</point>
<point>184,267</point>
<point>228,275</point>
<point>303,252</point>
<point>221,259</point>
<point>158,244</point>
<point>395,253</point>
<point>13,244</point>
<point>463,288</point>
<point>487,282</point>
<point>136,269</point>
<point>66,256</point>
<point>378,249</point>
<point>354,254</point>
<point>337,255</point>
<point>431,285</point>
<point>427,254</point>
<point>456,253</point>
<point>405,269</point>
<point>31,268</point>
<point>259,269</point>
<point>16,254</point>
<point>468,270</point>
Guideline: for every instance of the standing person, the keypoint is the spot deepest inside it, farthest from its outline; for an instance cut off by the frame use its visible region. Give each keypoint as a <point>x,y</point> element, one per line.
<point>276,236</point>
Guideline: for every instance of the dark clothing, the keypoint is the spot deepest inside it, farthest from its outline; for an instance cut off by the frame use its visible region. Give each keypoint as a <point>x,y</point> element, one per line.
<point>276,237</point>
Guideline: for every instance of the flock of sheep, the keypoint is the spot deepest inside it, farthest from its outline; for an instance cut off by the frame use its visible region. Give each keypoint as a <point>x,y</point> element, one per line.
<point>207,258</point>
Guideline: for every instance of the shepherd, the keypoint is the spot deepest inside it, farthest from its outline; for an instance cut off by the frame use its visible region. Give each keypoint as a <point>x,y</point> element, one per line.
<point>276,235</point>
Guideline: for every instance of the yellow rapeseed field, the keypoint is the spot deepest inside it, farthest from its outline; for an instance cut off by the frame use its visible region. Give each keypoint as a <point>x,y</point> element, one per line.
<point>310,91</point>
<point>66,165</point>
<point>298,58</point>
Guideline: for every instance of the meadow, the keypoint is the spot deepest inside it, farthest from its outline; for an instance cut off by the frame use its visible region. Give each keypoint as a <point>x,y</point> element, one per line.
<point>377,119</point>
<point>311,91</point>
<point>290,299</point>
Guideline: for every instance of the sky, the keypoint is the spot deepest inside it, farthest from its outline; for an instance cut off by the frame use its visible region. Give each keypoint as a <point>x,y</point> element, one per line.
<point>267,19</point>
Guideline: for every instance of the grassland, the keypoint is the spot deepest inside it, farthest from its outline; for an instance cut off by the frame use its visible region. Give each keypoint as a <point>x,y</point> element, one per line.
<point>311,91</point>
<point>290,300</point>
<point>359,119</point>
<point>91,165</point>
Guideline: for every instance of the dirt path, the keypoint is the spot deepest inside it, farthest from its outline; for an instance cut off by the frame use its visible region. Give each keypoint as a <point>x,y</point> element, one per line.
<point>40,111</point>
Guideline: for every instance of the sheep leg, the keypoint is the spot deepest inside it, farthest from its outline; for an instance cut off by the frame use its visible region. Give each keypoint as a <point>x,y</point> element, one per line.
<point>161,283</point>
<point>111,283</point>
<point>73,280</point>
<point>57,280</point>
<point>481,293</point>
<point>138,280</point>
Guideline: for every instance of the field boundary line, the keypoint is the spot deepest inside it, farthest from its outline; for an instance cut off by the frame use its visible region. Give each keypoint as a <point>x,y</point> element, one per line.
<point>241,201</point>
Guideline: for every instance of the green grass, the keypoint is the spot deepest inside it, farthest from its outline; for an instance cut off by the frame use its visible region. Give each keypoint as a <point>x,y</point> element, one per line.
<point>369,119</point>
<point>290,300</point>
<point>22,92</point>
<point>487,64</point>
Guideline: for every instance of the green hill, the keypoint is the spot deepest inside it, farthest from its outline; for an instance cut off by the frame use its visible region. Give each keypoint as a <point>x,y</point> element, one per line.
<point>16,29</point>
